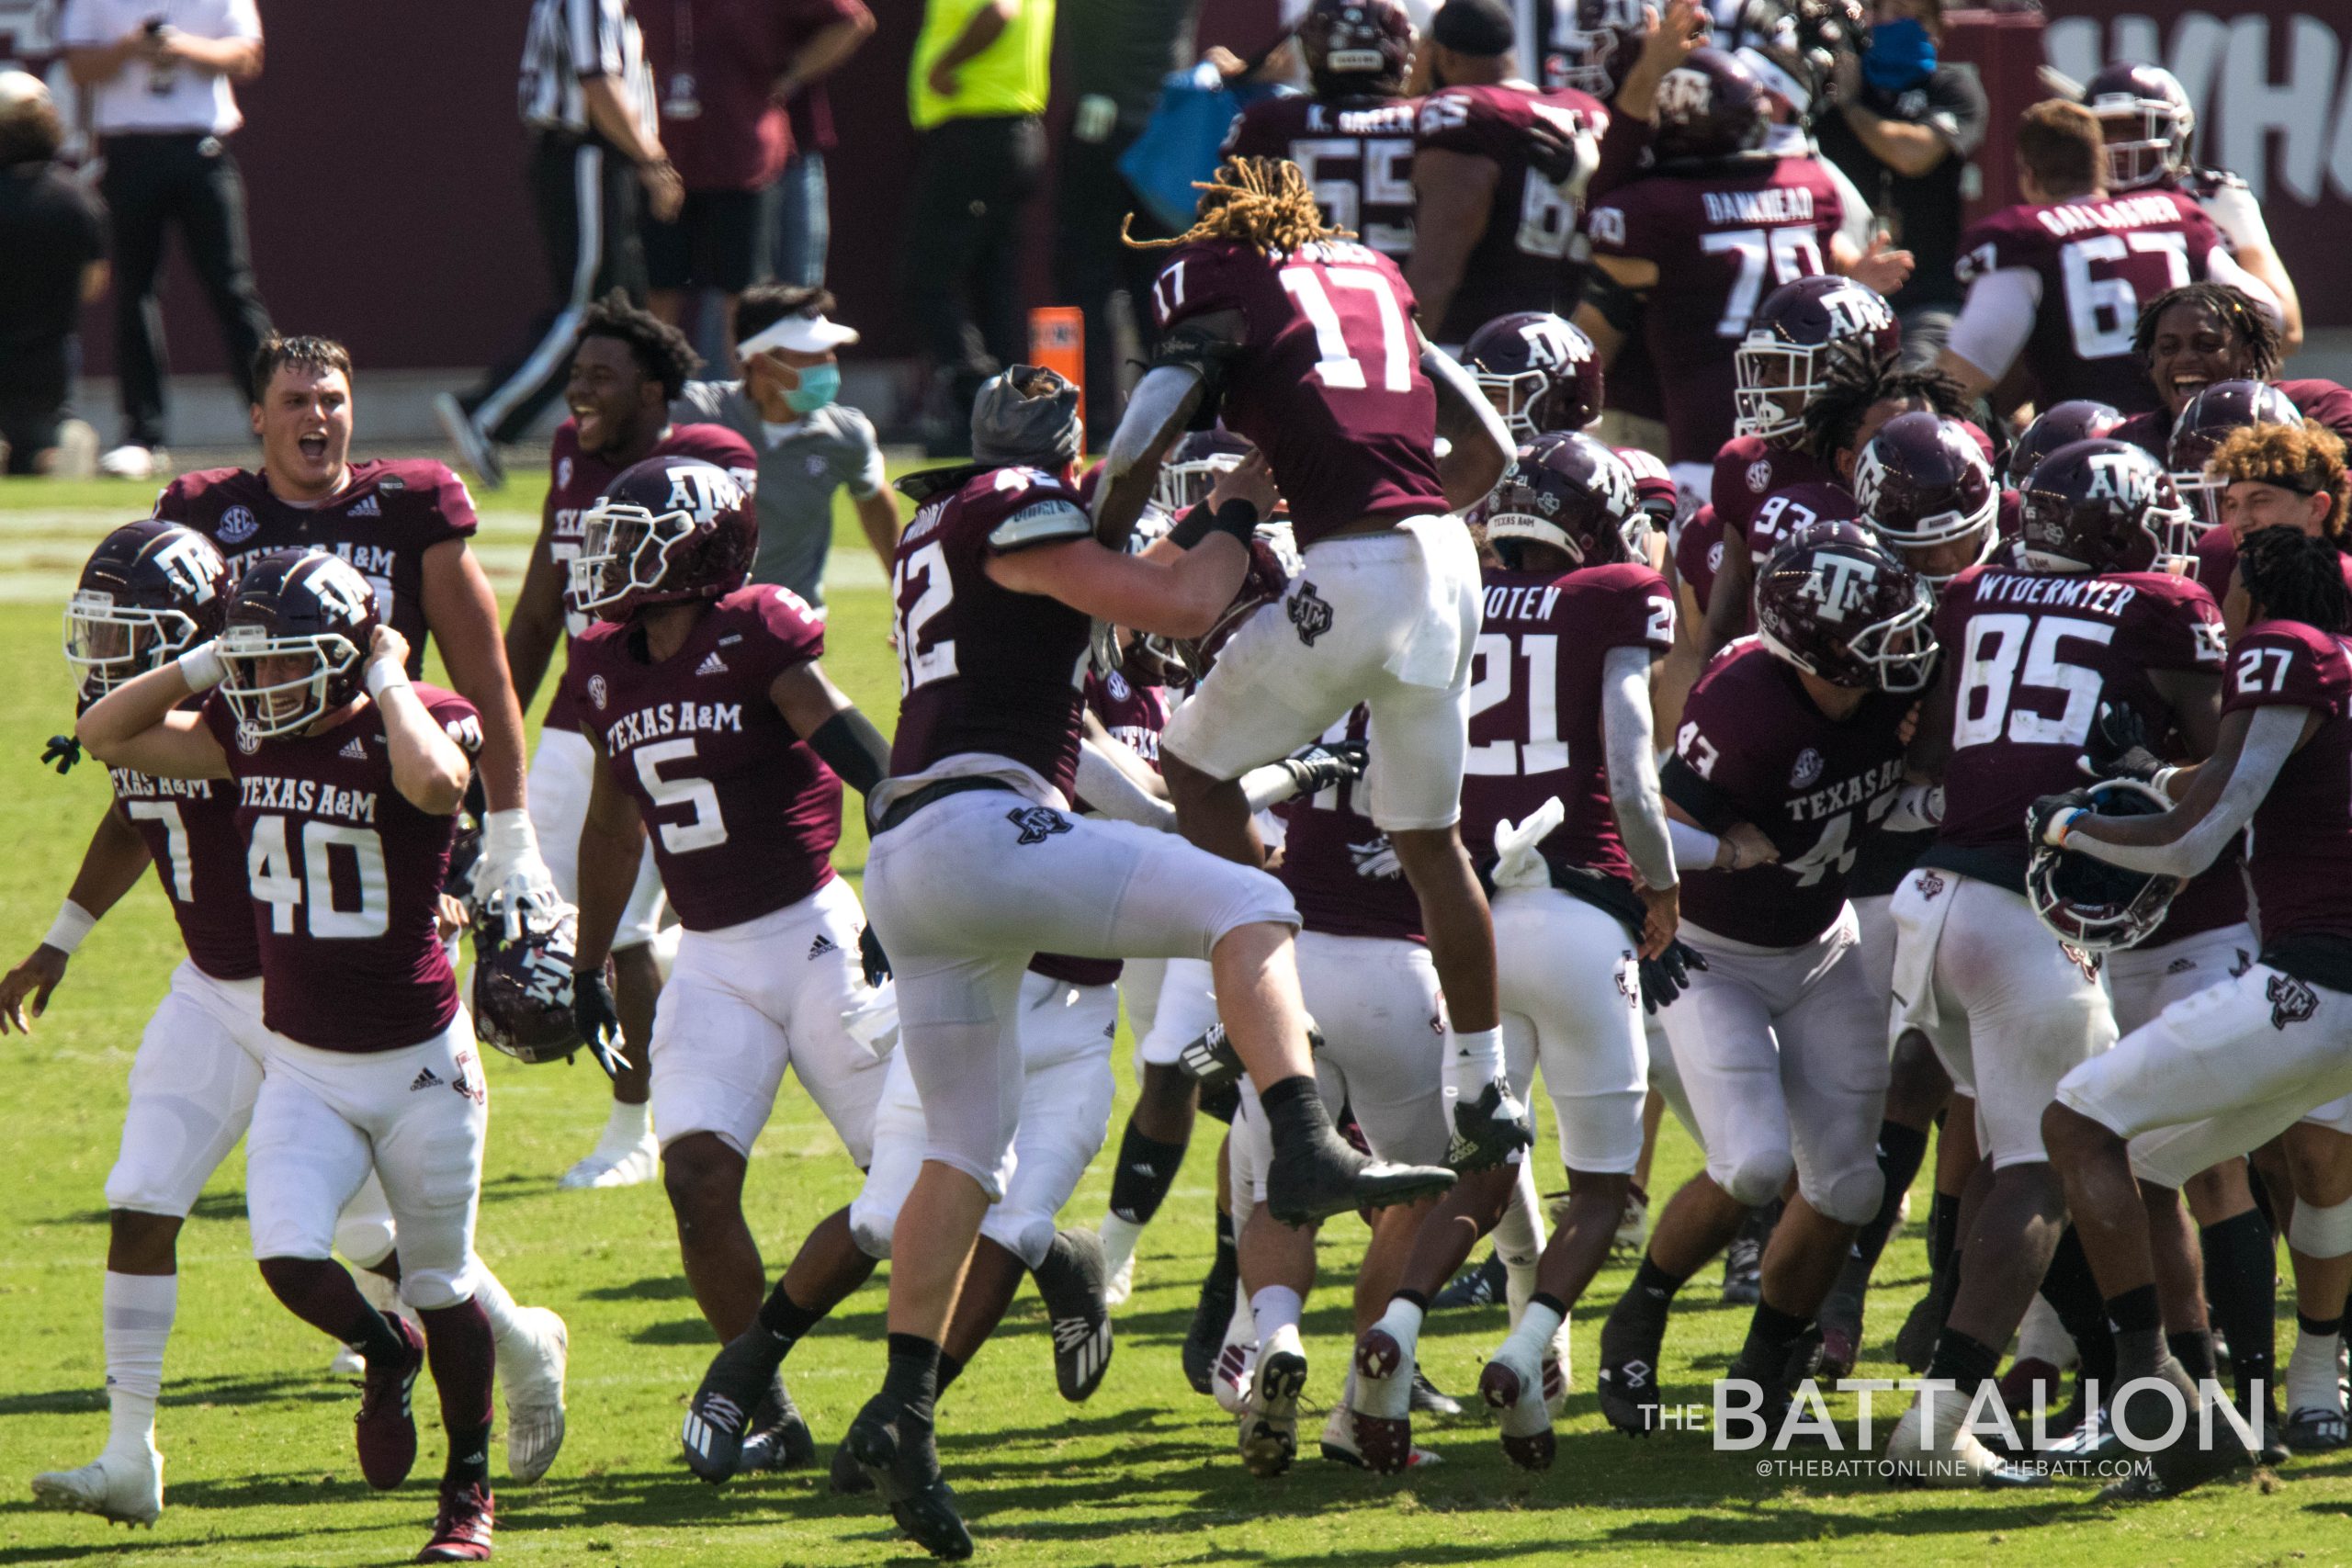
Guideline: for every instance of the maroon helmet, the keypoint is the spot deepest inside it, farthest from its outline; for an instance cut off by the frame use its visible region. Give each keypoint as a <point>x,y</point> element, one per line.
<point>1356,47</point>
<point>1780,364</point>
<point>2146,121</point>
<point>1569,491</point>
<point>1190,469</point>
<point>2104,506</point>
<point>2204,422</point>
<point>1654,489</point>
<point>1273,561</point>
<point>294,604</point>
<point>1837,603</point>
<point>2094,907</point>
<point>1595,42</point>
<point>667,529</point>
<point>1924,485</point>
<point>149,591</point>
<point>2078,418</point>
<point>1540,372</point>
<point>522,990</point>
<point>1709,106</point>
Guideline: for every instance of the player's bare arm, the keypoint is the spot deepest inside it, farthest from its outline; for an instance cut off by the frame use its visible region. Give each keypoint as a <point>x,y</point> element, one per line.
<point>139,724</point>
<point>2195,698</point>
<point>112,865</point>
<point>612,840</point>
<point>1454,194</point>
<point>536,624</point>
<point>821,714</point>
<point>1480,445</point>
<point>1685,25</point>
<point>428,768</point>
<point>1179,594</point>
<point>462,611</point>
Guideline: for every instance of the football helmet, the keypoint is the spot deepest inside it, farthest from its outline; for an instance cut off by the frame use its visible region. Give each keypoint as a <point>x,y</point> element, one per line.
<point>1568,491</point>
<point>1273,561</point>
<point>522,990</point>
<point>2078,418</point>
<point>2204,422</point>
<point>149,591</point>
<point>1356,46</point>
<point>2093,906</point>
<point>2104,506</point>
<point>1193,465</point>
<point>1709,106</point>
<point>295,642</point>
<point>1779,365</point>
<point>1837,603</point>
<point>1595,43</point>
<point>1798,42</point>
<point>1540,372</point>
<point>1924,485</point>
<point>668,529</point>
<point>2146,121</point>
<point>1654,488</point>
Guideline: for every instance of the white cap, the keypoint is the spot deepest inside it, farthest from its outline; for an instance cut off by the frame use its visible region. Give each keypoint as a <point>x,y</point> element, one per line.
<point>797,333</point>
<point>18,88</point>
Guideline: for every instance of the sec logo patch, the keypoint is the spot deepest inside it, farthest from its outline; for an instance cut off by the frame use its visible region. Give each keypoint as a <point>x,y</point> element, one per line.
<point>562,472</point>
<point>237,524</point>
<point>1808,772</point>
<point>1759,475</point>
<point>597,693</point>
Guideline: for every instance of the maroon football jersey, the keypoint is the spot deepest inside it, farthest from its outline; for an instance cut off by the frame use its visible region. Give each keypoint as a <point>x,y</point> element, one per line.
<point>1357,154</point>
<point>1521,263</point>
<point>2099,259</point>
<point>190,828</point>
<point>2323,400</point>
<point>576,479</point>
<point>982,669</point>
<point>2301,861</point>
<point>345,877</point>
<point>1721,240</point>
<point>1342,870</point>
<point>742,815</point>
<point>382,522</point>
<point>1786,511</point>
<point>1699,553</point>
<point>1535,704</point>
<point>1329,385</point>
<point>1754,749</point>
<point>2029,658</point>
<point>1749,467</point>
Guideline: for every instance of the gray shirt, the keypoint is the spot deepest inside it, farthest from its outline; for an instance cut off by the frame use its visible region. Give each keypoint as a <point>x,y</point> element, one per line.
<point>802,465</point>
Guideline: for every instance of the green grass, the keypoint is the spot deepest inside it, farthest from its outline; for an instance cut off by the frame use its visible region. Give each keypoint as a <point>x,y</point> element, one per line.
<point>258,1440</point>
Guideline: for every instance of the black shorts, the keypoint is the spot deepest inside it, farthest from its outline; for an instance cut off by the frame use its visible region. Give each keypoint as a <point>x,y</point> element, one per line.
<point>720,241</point>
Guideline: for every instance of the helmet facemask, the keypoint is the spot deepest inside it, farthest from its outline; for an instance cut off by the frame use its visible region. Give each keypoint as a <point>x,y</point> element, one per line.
<point>1769,371</point>
<point>108,644</point>
<point>2159,146</point>
<point>269,703</point>
<point>624,549</point>
<point>1184,485</point>
<point>1899,651</point>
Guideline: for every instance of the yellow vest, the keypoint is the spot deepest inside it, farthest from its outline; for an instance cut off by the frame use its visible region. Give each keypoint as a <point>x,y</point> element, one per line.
<point>1009,77</point>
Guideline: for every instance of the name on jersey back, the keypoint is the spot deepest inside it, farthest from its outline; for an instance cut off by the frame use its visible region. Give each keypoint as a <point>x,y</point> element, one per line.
<point>1773,204</point>
<point>2098,596</point>
<point>2123,212</point>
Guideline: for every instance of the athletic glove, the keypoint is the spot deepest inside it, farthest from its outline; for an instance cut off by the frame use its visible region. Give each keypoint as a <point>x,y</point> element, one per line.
<point>1566,158</point>
<point>1667,976</point>
<point>1325,763</point>
<point>510,861</point>
<point>2118,746</point>
<point>599,1024</point>
<point>870,955</point>
<point>64,752</point>
<point>2047,819</point>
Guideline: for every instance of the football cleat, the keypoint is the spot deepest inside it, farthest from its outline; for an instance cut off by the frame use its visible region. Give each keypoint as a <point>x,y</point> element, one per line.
<point>1945,1455</point>
<point>1628,1384</point>
<point>1268,1424</point>
<point>898,1455</point>
<point>2309,1431</point>
<point>615,1165</point>
<point>1841,1323</point>
<point>1512,1384</point>
<point>1234,1375</point>
<point>1339,1444</point>
<point>1743,1271</point>
<point>1317,1179</point>
<point>1072,1279</point>
<point>1489,1130</point>
<point>531,1362</point>
<point>386,1427</point>
<point>2185,1463</point>
<point>1380,1402</point>
<point>123,1488</point>
<point>721,1415</point>
<point>1430,1400</point>
<point>845,1478</point>
<point>461,1529</point>
<point>779,1439</point>
<point>2029,1376</point>
<point>1479,1285</point>
<point>1211,1312</point>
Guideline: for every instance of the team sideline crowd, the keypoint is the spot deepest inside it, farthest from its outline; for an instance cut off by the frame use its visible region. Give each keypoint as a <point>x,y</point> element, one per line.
<point>1614,659</point>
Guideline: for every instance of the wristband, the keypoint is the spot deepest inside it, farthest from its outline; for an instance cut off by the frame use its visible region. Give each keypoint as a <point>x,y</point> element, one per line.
<point>2060,826</point>
<point>1237,518</point>
<point>72,923</point>
<point>203,667</point>
<point>2161,780</point>
<point>382,676</point>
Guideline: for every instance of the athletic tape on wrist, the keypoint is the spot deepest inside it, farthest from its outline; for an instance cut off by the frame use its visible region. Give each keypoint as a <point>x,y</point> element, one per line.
<point>72,923</point>
<point>382,676</point>
<point>203,667</point>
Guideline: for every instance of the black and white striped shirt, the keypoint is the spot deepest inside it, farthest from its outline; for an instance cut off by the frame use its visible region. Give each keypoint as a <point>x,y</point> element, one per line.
<point>571,39</point>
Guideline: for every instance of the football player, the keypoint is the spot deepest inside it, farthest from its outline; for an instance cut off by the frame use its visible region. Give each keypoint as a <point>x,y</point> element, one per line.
<point>627,367</point>
<point>978,864</point>
<point>2056,282</point>
<point>1352,136</point>
<point>719,738</point>
<point>1538,372</point>
<point>2034,649</point>
<point>348,780</point>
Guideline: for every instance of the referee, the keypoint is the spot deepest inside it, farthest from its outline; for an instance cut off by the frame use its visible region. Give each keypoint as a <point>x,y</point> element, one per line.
<point>587,97</point>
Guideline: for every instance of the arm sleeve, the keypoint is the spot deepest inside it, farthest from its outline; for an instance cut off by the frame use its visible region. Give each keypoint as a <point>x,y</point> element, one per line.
<point>1997,318</point>
<point>1110,789</point>
<point>1632,766</point>
<point>1695,849</point>
<point>1267,788</point>
<point>2270,740</point>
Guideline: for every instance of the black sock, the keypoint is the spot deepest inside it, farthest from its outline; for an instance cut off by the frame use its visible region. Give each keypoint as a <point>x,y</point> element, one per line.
<point>2137,1322</point>
<point>1422,1301</point>
<point>1147,1169</point>
<point>2193,1349</point>
<point>1295,1113</point>
<point>2242,1291</point>
<point>1900,1150</point>
<point>2072,1291</point>
<point>2318,1327</point>
<point>786,1319</point>
<point>1966,1361</point>
<point>1943,1231</point>
<point>1651,1293</point>
<point>913,1374</point>
<point>1770,1335</point>
<point>950,1368</point>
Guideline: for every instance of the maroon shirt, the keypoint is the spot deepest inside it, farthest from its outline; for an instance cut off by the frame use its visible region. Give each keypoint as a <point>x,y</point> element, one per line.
<point>1754,749</point>
<point>2217,562</point>
<point>1329,385</point>
<point>577,480</point>
<point>347,878</point>
<point>1535,705</point>
<point>1521,263</point>
<point>1356,152</point>
<point>2323,401</point>
<point>391,512</point>
<point>190,828</point>
<point>2099,259</point>
<point>1749,467</point>
<point>1699,553</point>
<point>1342,872</point>
<point>982,669</point>
<point>1786,511</point>
<point>2030,656</point>
<point>742,815</point>
<point>734,51</point>
<point>1721,242</point>
<point>2300,864</point>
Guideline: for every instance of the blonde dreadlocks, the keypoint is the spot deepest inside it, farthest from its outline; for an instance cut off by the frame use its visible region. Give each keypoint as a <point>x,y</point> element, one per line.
<point>1264,203</point>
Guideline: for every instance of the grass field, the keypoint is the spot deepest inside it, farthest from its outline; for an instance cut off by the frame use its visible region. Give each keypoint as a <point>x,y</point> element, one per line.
<point>257,1438</point>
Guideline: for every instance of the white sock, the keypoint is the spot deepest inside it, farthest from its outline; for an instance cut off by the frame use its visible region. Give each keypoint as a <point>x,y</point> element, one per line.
<point>1472,1061</point>
<point>2311,1374</point>
<point>1275,1307</point>
<point>1519,1234</point>
<point>628,1125</point>
<point>1532,1337</point>
<point>1403,1322</point>
<point>496,1303</point>
<point>1119,1237</point>
<point>1242,1328</point>
<point>137,1312</point>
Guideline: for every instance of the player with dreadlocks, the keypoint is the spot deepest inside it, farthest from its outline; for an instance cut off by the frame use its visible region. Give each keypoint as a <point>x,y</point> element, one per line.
<point>2201,334</point>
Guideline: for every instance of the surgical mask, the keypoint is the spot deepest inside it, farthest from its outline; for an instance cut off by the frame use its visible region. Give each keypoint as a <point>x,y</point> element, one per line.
<point>1901,55</point>
<point>819,385</point>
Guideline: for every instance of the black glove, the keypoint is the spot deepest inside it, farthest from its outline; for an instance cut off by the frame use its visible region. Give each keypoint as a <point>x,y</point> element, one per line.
<point>1555,154</point>
<point>1665,977</point>
<point>2038,816</point>
<point>870,955</point>
<point>64,752</point>
<point>599,1024</point>
<point>1325,763</point>
<point>2118,746</point>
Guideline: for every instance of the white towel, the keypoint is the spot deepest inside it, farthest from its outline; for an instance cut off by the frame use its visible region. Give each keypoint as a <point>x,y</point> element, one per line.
<point>1918,927</point>
<point>1517,864</point>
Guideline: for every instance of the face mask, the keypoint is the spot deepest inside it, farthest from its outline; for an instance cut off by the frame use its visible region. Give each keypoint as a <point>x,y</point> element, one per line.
<point>819,385</point>
<point>1901,55</point>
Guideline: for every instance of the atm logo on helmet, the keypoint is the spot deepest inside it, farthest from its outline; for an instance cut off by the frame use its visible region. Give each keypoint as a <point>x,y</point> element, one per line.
<point>703,491</point>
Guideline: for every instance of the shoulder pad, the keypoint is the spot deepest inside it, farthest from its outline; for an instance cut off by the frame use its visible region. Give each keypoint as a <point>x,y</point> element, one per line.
<point>1046,522</point>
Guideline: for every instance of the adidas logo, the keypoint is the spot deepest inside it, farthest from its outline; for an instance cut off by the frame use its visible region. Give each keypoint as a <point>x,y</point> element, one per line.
<point>425,1079</point>
<point>711,664</point>
<point>367,508</point>
<point>823,945</point>
<point>356,749</point>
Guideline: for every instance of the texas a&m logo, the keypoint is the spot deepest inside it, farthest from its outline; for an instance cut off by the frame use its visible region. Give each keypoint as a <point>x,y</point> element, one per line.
<point>1840,583</point>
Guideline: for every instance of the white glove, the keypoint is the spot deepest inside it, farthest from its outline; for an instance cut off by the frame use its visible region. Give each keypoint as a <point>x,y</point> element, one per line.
<point>1517,864</point>
<point>510,863</point>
